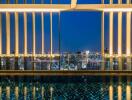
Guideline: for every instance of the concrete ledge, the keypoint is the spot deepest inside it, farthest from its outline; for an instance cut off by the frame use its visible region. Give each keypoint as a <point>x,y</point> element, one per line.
<point>64,73</point>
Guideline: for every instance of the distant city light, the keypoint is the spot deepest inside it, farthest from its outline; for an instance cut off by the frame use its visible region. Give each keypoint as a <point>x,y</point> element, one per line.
<point>87,52</point>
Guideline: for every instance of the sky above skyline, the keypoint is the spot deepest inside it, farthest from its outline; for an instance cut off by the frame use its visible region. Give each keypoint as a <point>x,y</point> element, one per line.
<point>80,30</point>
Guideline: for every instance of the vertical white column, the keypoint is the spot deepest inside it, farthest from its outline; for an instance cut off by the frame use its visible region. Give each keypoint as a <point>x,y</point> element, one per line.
<point>51,35</point>
<point>34,35</point>
<point>59,31</point>
<point>0,39</point>
<point>120,31</point>
<point>120,37</point>
<point>42,22</point>
<point>25,34</point>
<point>128,32</point>
<point>0,34</point>
<point>111,37</point>
<point>111,32</point>
<point>25,38</point>
<point>128,37</point>
<point>102,32</point>
<point>16,32</point>
<point>34,39</point>
<point>16,35</point>
<point>51,38</point>
<point>7,33</point>
<point>102,39</point>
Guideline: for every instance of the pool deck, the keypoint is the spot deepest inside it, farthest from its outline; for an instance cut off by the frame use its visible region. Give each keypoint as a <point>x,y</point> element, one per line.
<point>64,73</point>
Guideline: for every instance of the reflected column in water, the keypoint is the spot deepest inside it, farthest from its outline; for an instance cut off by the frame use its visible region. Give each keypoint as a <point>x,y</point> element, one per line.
<point>25,92</point>
<point>128,89</point>
<point>7,93</point>
<point>34,93</point>
<point>0,93</point>
<point>111,89</point>
<point>42,93</point>
<point>16,93</point>
<point>119,89</point>
<point>51,93</point>
<point>103,87</point>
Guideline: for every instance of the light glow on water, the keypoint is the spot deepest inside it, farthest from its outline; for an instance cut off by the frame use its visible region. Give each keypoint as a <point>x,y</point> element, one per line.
<point>53,89</point>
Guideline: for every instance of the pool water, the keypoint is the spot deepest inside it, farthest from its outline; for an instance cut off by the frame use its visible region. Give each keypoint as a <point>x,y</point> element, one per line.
<point>59,88</point>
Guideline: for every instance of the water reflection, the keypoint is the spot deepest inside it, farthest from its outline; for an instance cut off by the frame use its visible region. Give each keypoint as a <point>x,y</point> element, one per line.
<point>16,92</point>
<point>7,92</point>
<point>25,92</point>
<point>65,88</point>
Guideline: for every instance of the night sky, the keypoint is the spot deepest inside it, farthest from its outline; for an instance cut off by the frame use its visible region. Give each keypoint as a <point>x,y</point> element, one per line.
<point>79,30</point>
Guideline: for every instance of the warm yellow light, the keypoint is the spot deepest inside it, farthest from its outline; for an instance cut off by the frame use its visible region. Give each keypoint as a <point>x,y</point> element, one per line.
<point>119,92</point>
<point>128,92</point>
<point>30,10</point>
<point>110,92</point>
<point>111,34</point>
